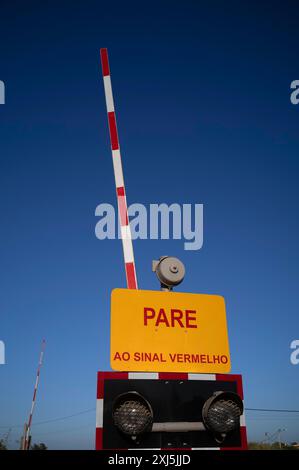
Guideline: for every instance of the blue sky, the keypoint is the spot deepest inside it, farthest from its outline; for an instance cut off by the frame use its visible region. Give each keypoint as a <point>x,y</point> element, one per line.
<point>202,95</point>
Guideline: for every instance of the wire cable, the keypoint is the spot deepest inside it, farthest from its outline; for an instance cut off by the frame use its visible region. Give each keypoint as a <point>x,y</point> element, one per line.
<point>62,418</point>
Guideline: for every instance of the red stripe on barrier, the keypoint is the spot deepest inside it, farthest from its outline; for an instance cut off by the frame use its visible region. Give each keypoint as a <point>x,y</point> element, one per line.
<point>123,211</point>
<point>120,191</point>
<point>243,446</point>
<point>243,433</point>
<point>131,276</point>
<point>113,131</point>
<point>100,388</point>
<point>112,375</point>
<point>105,62</point>
<point>99,438</point>
<point>172,376</point>
<point>233,378</point>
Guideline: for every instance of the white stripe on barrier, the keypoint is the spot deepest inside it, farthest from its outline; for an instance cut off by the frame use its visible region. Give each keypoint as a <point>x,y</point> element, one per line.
<point>144,375</point>
<point>118,171</point>
<point>144,448</point>
<point>201,376</point>
<point>127,244</point>
<point>99,412</point>
<point>205,448</point>
<point>108,94</point>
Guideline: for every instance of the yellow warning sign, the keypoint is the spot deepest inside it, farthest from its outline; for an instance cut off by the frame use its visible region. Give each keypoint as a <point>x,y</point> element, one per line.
<point>168,332</point>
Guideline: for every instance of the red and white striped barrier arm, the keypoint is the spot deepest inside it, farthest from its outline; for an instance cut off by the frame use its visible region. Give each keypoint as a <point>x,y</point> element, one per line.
<point>119,179</point>
<point>34,395</point>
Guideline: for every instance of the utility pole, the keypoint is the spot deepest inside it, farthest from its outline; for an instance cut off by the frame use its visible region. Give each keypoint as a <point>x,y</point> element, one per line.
<point>279,431</point>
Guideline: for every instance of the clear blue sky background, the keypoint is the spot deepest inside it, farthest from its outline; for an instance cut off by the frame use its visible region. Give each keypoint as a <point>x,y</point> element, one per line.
<point>202,99</point>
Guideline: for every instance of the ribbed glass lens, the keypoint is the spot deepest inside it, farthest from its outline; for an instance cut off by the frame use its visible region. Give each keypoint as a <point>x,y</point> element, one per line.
<point>132,417</point>
<point>223,416</point>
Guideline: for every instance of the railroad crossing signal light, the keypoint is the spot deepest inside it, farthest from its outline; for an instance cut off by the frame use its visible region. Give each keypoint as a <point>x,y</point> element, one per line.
<point>182,411</point>
<point>132,414</point>
<point>221,413</point>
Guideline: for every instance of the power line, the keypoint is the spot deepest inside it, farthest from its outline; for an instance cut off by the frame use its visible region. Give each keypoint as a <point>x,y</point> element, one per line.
<point>65,417</point>
<point>62,418</point>
<point>52,420</point>
<point>276,411</point>
<point>65,430</point>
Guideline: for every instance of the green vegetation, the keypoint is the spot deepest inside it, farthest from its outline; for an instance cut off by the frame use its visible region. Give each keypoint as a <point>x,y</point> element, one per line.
<point>2,445</point>
<point>40,446</point>
<point>274,446</point>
